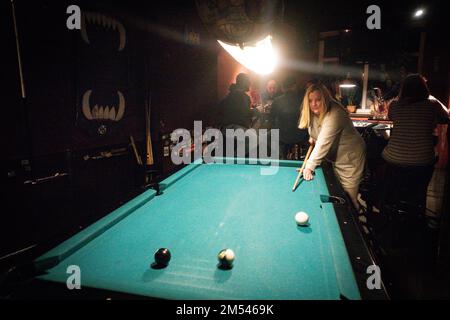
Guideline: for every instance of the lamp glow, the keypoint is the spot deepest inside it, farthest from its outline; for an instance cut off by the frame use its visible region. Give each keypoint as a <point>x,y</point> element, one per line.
<point>347,85</point>
<point>419,13</point>
<point>261,58</point>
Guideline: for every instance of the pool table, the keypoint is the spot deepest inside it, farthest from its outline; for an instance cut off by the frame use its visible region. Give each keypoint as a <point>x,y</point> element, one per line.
<point>204,208</point>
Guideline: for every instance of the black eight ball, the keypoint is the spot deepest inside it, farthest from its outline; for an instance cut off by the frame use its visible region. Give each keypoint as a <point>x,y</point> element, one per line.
<point>162,257</point>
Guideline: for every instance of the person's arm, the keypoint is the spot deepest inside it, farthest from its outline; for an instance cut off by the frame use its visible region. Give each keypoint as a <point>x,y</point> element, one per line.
<point>273,113</point>
<point>263,98</point>
<point>391,110</point>
<point>331,127</point>
<point>248,111</point>
<point>442,113</point>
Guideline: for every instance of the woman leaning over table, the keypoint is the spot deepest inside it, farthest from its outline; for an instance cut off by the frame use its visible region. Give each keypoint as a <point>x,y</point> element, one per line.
<point>335,139</point>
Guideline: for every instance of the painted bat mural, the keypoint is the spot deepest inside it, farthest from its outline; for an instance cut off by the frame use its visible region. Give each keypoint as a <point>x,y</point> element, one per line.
<point>101,112</point>
<point>90,18</point>
<point>102,74</point>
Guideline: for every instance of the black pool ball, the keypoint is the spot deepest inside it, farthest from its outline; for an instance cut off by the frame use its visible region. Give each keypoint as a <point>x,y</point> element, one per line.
<point>162,257</point>
<point>226,258</point>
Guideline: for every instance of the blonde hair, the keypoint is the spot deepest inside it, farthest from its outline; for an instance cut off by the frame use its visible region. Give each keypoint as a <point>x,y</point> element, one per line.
<point>327,101</point>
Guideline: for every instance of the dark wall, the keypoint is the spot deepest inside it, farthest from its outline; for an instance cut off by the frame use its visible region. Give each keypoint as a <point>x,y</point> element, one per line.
<point>13,116</point>
<point>50,129</point>
<point>183,75</point>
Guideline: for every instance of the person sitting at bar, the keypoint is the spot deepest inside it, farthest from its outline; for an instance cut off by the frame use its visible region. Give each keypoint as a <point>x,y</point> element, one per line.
<point>269,95</point>
<point>335,139</point>
<point>284,116</point>
<point>392,88</point>
<point>234,110</point>
<point>409,154</point>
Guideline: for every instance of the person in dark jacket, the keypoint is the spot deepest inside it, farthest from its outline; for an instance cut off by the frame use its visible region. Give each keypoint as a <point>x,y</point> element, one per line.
<point>234,109</point>
<point>284,116</point>
<point>270,93</point>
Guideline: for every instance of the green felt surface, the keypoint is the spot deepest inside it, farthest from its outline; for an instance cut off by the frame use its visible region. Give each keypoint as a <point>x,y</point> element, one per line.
<point>206,208</point>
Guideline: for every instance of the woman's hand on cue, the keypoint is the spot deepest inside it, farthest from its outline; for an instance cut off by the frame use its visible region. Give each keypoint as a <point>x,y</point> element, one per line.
<point>311,141</point>
<point>307,174</point>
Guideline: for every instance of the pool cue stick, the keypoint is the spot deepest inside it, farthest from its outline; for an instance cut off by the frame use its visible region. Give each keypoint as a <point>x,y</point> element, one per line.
<point>23,94</point>
<point>19,60</point>
<point>150,160</point>
<point>136,154</point>
<point>303,166</point>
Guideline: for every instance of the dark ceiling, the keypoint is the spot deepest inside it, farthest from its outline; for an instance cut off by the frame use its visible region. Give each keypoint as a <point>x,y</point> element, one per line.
<point>312,16</point>
<point>320,15</point>
<point>324,14</point>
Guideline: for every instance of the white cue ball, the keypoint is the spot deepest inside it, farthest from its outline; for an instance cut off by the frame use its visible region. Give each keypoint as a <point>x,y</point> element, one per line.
<point>302,218</point>
<point>227,255</point>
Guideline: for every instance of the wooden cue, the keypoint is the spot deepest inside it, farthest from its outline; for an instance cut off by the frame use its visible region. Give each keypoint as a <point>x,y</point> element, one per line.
<point>303,166</point>
<point>136,154</point>
<point>19,59</point>
<point>150,160</point>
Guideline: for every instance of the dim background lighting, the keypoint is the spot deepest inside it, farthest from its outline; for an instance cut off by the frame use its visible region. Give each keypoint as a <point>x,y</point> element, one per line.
<point>347,85</point>
<point>347,82</point>
<point>261,58</point>
<point>418,13</point>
